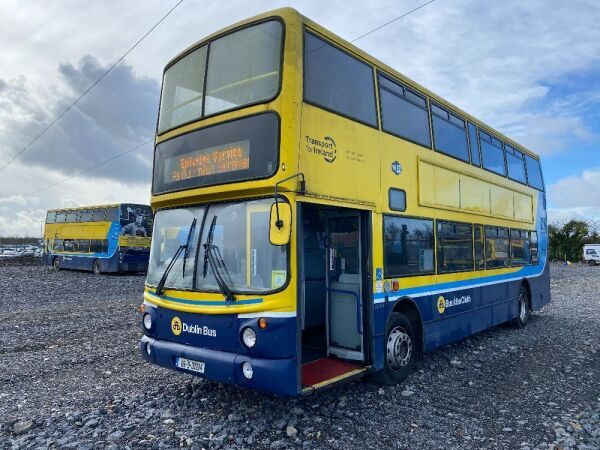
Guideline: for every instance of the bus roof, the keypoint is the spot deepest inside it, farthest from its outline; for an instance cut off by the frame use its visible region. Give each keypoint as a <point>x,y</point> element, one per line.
<point>292,14</point>
<point>112,205</point>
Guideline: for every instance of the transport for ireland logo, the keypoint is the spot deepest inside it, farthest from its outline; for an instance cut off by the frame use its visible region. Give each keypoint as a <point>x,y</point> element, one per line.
<point>176,327</point>
<point>323,147</point>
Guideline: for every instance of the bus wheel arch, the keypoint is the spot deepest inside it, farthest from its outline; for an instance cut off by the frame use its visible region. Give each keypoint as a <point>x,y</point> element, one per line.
<point>402,343</point>
<point>97,267</point>
<point>524,305</point>
<point>408,308</point>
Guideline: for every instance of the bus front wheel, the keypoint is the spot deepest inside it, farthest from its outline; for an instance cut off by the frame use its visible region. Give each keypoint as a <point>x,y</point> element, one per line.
<point>97,267</point>
<point>523,317</point>
<point>400,350</point>
<point>56,264</point>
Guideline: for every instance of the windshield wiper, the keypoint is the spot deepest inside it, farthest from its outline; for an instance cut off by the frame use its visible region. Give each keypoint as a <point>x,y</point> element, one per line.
<point>213,257</point>
<point>187,245</point>
<point>163,279</point>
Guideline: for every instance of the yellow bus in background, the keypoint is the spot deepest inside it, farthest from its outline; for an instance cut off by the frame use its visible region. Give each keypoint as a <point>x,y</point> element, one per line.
<point>319,216</point>
<point>106,238</point>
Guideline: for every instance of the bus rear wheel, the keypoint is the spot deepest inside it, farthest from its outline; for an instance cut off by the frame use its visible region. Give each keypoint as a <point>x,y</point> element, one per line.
<point>400,350</point>
<point>56,264</point>
<point>523,317</point>
<point>97,267</point>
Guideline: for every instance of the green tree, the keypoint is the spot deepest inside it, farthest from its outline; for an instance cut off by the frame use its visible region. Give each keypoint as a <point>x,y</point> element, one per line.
<point>567,239</point>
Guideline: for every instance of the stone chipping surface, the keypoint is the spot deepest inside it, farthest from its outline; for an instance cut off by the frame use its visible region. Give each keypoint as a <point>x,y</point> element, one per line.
<point>71,377</point>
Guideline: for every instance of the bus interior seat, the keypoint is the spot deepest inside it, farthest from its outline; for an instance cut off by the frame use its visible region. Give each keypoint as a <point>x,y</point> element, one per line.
<point>343,306</point>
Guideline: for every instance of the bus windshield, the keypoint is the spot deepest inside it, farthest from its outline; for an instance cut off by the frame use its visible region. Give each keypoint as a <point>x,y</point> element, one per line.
<point>240,236</point>
<point>241,68</point>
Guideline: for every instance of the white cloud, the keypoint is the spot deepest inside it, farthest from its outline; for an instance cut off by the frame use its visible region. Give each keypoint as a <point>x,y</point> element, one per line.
<point>503,62</point>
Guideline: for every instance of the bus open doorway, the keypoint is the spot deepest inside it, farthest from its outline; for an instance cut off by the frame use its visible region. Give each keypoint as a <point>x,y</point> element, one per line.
<point>334,292</point>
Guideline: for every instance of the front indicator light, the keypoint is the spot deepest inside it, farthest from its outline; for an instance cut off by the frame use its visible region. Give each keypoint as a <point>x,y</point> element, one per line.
<point>247,370</point>
<point>148,349</point>
<point>249,337</point>
<point>147,322</point>
<point>262,323</point>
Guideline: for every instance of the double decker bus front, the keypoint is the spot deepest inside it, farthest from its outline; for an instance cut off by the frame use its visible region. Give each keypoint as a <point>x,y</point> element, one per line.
<point>218,300</point>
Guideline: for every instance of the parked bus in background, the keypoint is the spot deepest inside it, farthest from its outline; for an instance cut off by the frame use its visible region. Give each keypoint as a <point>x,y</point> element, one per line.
<point>319,216</point>
<point>591,254</point>
<point>109,238</point>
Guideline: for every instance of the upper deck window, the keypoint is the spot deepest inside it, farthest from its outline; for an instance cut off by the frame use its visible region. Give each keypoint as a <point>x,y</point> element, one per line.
<point>337,81</point>
<point>449,133</point>
<point>515,164</point>
<point>243,69</point>
<point>492,153</point>
<point>403,112</point>
<point>534,173</point>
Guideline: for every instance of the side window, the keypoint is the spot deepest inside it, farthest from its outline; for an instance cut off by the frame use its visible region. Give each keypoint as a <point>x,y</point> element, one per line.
<point>337,81</point>
<point>61,217</point>
<point>98,215</point>
<point>408,246</point>
<point>534,247</point>
<point>449,133</point>
<point>515,164</point>
<point>496,247</point>
<point>51,217</point>
<point>69,245</point>
<point>72,216</point>
<point>397,199</point>
<point>479,247</point>
<point>474,145</point>
<point>84,245</point>
<point>492,153</point>
<point>58,245</point>
<point>520,253</point>
<point>404,112</point>
<point>534,173</point>
<point>85,215</point>
<point>454,247</point>
<point>96,246</point>
<point>112,214</point>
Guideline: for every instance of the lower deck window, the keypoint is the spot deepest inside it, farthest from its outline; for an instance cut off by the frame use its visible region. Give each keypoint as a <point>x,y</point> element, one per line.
<point>454,247</point>
<point>496,247</point>
<point>520,248</point>
<point>408,246</point>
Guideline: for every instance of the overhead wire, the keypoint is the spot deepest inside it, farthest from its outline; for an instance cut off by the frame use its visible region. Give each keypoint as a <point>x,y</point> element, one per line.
<point>78,99</point>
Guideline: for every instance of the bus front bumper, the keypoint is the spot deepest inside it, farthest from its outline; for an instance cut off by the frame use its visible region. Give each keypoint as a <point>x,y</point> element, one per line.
<point>270,375</point>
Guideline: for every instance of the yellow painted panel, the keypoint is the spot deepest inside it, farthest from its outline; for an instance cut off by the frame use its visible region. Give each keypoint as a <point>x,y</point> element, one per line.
<point>474,195</point>
<point>447,187</point>
<point>501,201</point>
<point>426,190</point>
<point>339,157</point>
<point>523,207</point>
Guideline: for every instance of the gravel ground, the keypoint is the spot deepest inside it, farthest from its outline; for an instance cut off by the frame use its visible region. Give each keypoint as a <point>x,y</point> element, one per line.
<point>71,377</point>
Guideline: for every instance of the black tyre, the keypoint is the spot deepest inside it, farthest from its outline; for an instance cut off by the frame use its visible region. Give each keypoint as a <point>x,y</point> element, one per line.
<point>401,350</point>
<point>56,264</point>
<point>97,267</point>
<point>592,262</point>
<point>523,316</point>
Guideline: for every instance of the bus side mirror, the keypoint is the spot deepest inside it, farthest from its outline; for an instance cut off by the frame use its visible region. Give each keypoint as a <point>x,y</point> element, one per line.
<point>280,223</point>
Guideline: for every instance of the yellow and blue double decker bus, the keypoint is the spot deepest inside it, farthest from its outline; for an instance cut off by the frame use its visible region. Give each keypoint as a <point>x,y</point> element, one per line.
<point>319,216</point>
<point>103,239</point>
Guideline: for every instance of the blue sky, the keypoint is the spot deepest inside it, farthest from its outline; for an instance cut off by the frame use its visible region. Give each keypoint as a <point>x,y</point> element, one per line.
<point>529,69</point>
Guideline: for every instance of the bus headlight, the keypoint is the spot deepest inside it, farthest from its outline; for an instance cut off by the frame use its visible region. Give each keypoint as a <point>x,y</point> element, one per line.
<point>249,337</point>
<point>147,321</point>
<point>247,370</point>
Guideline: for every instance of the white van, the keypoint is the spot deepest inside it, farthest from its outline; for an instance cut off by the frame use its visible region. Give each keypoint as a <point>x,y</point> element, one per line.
<point>591,254</point>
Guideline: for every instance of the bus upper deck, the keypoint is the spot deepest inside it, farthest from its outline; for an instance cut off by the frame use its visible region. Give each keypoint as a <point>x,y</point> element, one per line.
<point>106,238</point>
<point>319,216</point>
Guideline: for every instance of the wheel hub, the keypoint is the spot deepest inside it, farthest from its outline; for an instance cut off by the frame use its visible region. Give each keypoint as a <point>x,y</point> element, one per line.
<point>398,348</point>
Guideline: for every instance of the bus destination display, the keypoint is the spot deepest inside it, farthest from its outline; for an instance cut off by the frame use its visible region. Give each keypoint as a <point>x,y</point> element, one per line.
<point>215,160</point>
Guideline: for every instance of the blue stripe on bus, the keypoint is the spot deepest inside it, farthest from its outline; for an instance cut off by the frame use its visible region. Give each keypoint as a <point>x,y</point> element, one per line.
<point>523,272</point>
<point>250,301</point>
